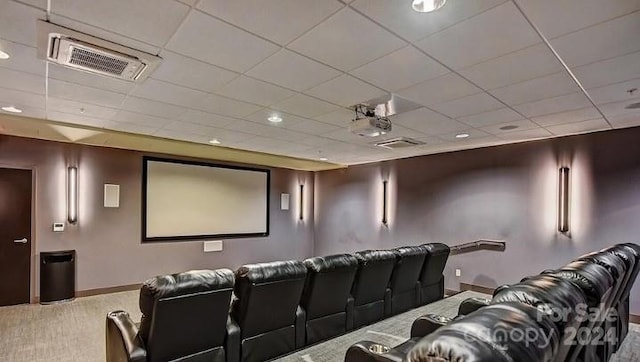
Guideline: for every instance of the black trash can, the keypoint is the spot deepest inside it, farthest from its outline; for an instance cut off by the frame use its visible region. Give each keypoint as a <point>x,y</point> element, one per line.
<point>57,276</point>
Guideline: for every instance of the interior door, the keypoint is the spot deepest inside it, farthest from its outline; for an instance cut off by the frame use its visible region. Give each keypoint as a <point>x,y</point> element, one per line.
<point>15,236</point>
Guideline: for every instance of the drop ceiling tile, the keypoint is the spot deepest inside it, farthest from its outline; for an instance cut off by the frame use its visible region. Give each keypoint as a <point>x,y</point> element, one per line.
<point>213,41</point>
<point>340,117</point>
<point>318,143</point>
<point>475,135</point>
<point>206,119</point>
<point>261,117</point>
<point>169,93</point>
<point>428,122</point>
<point>555,18</point>
<point>400,131</point>
<point>150,21</point>
<point>141,119</point>
<point>27,111</point>
<point>625,120</point>
<point>23,58</point>
<point>543,107</point>
<point>346,91</point>
<point>180,136</point>
<point>132,128</point>
<point>615,92</point>
<point>606,40</point>
<point>254,91</point>
<point>400,69</point>
<point>12,19</point>
<point>619,69</point>
<point>578,115</point>
<point>617,109</point>
<point>439,90</point>
<point>21,99</point>
<point>412,25</point>
<point>152,108</point>
<point>227,137</point>
<point>536,89</point>
<point>507,127</point>
<point>78,119</point>
<point>530,134</point>
<point>339,41</point>
<point>293,71</point>
<point>81,109</point>
<point>226,106</point>
<point>491,34</point>
<point>502,115</point>
<point>532,62</point>
<point>579,127</point>
<point>305,106</point>
<point>191,128</point>
<point>280,20</point>
<point>26,82</point>
<point>74,76</point>
<point>191,73</point>
<point>343,134</point>
<point>103,34</point>
<point>80,93</point>
<point>473,104</point>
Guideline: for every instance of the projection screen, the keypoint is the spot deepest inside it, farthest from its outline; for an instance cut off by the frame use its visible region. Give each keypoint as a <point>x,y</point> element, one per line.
<point>185,200</point>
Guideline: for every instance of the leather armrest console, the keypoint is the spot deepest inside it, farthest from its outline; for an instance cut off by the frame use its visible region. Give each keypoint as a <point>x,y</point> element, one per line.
<point>301,319</point>
<point>387,302</point>
<point>471,305</point>
<point>361,352</point>
<point>123,341</point>
<point>428,323</point>
<point>232,341</point>
<point>349,312</point>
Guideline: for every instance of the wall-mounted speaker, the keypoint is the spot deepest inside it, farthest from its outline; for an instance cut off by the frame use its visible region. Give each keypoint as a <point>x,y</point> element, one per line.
<point>111,195</point>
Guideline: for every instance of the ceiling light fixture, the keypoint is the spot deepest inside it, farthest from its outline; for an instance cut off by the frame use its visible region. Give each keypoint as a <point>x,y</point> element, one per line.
<point>324,159</point>
<point>275,119</point>
<point>4,55</point>
<point>12,109</point>
<point>427,6</point>
<point>462,135</point>
<point>214,141</point>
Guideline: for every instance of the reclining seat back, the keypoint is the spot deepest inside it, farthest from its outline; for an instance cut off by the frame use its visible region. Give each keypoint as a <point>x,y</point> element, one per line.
<point>431,278</point>
<point>370,286</point>
<point>326,293</point>
<point>616,267</point>
<point>404,278</point>
<point>268,295</point>
<point>632,253</point>
<point>184,316</point>
<point>556,297</point>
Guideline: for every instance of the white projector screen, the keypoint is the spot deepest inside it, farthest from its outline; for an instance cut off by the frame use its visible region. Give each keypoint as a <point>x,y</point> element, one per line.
<point>188,200</point>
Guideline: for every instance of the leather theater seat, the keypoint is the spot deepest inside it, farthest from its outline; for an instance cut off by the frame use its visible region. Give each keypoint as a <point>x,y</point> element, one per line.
<point>326,299</point>
<point>370,289</point>
<point>404,284</point>
<point>266,308</point>
<point>184,317</point>
<point>431,278</point>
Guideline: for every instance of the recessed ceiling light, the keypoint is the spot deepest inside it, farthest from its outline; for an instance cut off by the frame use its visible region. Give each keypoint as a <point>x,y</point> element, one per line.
<point>462,135</point>
<point>214,141</point>
<point>12,109</point>
<point>275,119</point>
<point>324,159</point>
<point>4,55</point>
<point>426,6</point>
<point>508,127</point>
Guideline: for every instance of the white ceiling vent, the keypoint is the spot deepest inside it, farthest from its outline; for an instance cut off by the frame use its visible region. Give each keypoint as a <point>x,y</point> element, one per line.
<point>400,142</point>
<point>87,53</point>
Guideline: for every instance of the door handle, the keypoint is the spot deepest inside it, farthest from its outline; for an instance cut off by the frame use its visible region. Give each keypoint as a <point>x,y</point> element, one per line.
<point>21,241</point>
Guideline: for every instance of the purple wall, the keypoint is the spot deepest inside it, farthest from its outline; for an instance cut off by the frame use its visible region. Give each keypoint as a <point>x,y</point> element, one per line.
<point>108,240</point>
<point>505,192</point>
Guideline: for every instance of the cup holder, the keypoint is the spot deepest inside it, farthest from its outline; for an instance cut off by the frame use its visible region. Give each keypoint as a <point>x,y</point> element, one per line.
<point>378,349</point>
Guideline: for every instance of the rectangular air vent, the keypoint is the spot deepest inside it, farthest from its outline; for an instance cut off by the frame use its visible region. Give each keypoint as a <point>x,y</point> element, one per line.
<point>86,53</point>
<point>400,142</point>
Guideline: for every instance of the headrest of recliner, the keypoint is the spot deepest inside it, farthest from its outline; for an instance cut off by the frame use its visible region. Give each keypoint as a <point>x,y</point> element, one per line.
<point>611,262</point>
<point>592,278</point>
<point>407,251</point>
<point>194,281</point>
<point>273,271</point>
<point>367,256</point>
<point>321,264</point>
<point>437,248</point>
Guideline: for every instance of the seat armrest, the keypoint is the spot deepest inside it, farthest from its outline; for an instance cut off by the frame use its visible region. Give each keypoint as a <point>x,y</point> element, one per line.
<point>361,352</point>
<point>349,312</point>
<point>417,293</point>
<point>232,341</point>
<point>471,305</point>
<point>427,324</point>
<point>301,321</point>
<point>123,344</point>
<point>387,302</point>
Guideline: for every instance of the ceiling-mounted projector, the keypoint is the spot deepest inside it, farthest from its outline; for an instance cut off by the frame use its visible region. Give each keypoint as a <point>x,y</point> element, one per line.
<point>368,124</point>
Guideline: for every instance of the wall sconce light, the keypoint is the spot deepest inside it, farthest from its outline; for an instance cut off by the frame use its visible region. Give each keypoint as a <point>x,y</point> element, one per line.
<point>385,202</point>
<point>563,200</point>
<point>301,206</point>
<point>72,194</point>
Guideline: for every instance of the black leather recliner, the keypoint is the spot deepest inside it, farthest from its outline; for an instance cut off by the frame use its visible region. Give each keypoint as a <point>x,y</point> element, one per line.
<point>632,253</point>
<point>431,278</point>
<point>370,289</point>
<point>404,284</point>
<point>266,309</point>
<point>326,299</point>
<point>184,318</point>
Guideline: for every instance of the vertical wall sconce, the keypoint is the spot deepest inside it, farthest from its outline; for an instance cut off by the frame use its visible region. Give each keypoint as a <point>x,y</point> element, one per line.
<point>301,206</point>
<point>385,202</point>
<point>72,194</point>
<point>563,200</point>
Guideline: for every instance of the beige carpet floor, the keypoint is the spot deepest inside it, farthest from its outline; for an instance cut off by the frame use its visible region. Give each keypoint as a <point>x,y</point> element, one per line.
<point>75,331</point>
